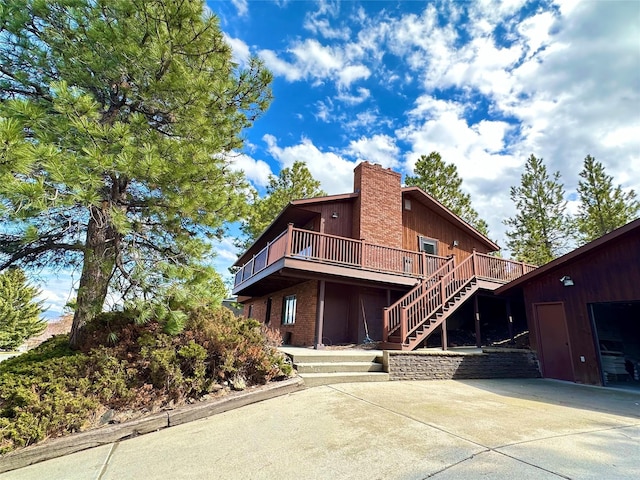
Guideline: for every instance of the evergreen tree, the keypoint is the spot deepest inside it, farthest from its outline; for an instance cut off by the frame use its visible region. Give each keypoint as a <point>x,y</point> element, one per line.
<point>541,228</point>
<point>19,312</point>
<point>603,208</point>
<point>441,180</point>
<point>291,184</point>
<point>114,115</point>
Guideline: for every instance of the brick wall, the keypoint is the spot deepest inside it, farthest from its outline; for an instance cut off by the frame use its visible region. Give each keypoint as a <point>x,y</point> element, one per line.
<point>377,216</point>
<point>302,332</point>
<point>446,365</point>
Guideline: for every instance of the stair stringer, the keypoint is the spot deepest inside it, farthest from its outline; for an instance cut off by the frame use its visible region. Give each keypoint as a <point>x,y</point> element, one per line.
<point>431,323</point>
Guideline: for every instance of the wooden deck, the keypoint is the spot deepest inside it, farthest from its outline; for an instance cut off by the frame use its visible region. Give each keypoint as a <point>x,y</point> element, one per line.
<point>317,252</point>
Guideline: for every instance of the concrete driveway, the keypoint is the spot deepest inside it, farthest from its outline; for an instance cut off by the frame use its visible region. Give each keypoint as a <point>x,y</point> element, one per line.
<point>498,429</point>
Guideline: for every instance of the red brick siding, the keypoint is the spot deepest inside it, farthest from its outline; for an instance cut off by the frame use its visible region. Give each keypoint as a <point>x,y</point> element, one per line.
<point>377,214</point>
<point>303,330</point>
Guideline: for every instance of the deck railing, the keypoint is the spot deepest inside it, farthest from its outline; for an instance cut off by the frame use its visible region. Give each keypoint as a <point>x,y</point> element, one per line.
<point>392,314</point>
<point>420,304</point>
<point>331,249</point>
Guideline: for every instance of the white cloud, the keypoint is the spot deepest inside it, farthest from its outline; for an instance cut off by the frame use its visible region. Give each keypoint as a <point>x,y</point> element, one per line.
<point>324,110</point>
<point>352,73</point>
<point>536,31</point>
<point>280,67</point>
<point>56,293</point>
<point>225,250</point>
<point>256,171</point>
<point>240,49</point>
<point>353,99</point>
<point>242,6</point>
<point>377,149</point>
<point>334,172</point>
<point>316,24</point>
<point>318,63</point>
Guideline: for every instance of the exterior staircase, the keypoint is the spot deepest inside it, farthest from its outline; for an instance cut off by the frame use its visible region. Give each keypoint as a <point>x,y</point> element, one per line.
<point>410,321</point>
<point>325,367</point>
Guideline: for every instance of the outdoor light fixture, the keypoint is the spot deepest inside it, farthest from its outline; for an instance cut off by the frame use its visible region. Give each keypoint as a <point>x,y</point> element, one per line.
<point>334,215</point>
<point>455,243</point>
<point>567,281</point>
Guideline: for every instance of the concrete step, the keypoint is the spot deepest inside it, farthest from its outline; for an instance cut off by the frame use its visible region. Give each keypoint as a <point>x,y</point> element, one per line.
<point>316,379</point>
<point>335,367</point>
<point>334,356</point>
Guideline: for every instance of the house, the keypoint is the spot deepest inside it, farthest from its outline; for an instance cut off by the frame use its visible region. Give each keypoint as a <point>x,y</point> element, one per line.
<point>583,310</point>
<point>384,262</point>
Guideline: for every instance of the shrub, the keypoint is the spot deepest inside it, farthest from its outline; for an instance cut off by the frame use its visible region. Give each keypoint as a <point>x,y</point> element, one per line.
<point>19,312</point>
<point>53,390</point>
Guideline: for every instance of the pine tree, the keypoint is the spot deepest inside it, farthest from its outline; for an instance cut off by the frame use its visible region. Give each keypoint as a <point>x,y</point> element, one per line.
<point>441,180</point>
<point>603,208</point>
<point>291,184</point>
<point>114,119</point>
<point>541,230</point>
<point>19,312</point>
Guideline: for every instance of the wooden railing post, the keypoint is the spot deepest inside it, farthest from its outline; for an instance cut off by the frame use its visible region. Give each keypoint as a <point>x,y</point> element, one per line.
<point>385,324</point>
<point>475,263</point>
<point>362,244</point>
<point>287,248</point>
<point>404,324</point>
<point>424,265</point>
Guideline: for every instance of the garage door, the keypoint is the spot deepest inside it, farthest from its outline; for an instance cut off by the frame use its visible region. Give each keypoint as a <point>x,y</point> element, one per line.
<point>617,327</point>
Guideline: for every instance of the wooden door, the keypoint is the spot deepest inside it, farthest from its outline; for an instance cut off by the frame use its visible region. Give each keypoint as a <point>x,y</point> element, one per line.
<point>553,341</point>
<point>336,315</point>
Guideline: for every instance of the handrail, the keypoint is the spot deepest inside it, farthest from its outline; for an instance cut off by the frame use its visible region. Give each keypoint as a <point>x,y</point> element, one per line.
<point>436,296</point>
<point>416,308</point>
<point>391,314</point>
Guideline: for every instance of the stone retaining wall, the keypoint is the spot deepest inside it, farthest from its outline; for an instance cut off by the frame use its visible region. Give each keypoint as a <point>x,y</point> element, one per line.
<point>446,365</point>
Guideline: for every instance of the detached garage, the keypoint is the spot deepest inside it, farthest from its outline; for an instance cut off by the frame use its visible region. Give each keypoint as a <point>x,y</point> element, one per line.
<point>583,311</point>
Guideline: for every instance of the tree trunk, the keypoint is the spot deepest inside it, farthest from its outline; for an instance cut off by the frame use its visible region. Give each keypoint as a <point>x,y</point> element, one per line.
<point>97,270</point>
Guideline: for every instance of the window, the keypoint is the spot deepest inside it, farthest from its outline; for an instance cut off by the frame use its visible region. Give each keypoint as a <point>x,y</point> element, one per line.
<point>428,245</point>
<point>289,310</point>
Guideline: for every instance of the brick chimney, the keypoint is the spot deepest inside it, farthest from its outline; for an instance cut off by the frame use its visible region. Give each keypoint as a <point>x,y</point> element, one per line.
<point>377,216</point>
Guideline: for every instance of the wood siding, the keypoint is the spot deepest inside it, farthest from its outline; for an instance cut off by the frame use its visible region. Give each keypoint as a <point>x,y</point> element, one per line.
<point>340,226</point>
<point>608,274</point>
<point>421,220</point>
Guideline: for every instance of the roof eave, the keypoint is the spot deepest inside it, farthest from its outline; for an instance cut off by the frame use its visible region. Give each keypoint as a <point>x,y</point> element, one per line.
<point>578,252</point>
<point>294,203</point>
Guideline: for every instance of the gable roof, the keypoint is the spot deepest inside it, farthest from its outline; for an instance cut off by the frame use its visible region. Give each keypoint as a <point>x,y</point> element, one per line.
<point>573,255</point>
<point>430,202</point>
<point>294,212</point>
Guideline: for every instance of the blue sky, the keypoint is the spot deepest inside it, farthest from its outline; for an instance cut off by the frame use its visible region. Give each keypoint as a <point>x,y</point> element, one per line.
<point>484,83</point>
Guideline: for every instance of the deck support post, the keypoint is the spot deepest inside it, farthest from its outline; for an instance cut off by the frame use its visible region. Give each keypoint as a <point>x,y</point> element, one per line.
<point>476,313</point>
<point>510,320</point>
<point>404,325</point>
<point>320,316</point>
<point>445,343</point>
